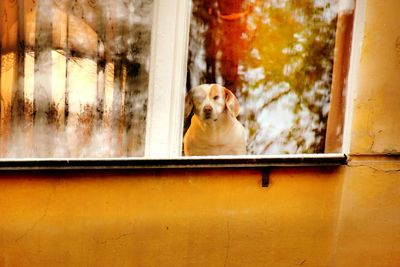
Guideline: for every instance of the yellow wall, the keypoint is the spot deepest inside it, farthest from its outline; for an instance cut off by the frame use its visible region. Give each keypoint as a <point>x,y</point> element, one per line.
<point>377,97</point>
<point>344,216</point>
<point>169,218</point>
<point>369,219</point>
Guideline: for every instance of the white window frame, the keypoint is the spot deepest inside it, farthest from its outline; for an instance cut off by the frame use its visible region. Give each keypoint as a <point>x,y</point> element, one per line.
<point>355,59</point>
<point>168,77</point>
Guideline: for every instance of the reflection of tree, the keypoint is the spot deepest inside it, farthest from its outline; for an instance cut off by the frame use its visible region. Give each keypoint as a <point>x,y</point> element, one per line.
<point>299,53</point>
<point>77,80</point>
<point>223,39</point>
<point>281,53</point>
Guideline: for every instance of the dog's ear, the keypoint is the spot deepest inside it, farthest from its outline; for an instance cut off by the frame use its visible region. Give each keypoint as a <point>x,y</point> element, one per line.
<point>232,103</point>
<point>188,103</point>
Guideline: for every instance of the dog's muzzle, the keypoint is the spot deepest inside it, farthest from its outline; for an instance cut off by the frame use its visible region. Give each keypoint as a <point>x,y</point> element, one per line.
<point>207,110</point>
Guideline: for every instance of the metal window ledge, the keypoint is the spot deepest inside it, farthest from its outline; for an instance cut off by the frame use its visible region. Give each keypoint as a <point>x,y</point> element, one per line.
<point>248,161</point>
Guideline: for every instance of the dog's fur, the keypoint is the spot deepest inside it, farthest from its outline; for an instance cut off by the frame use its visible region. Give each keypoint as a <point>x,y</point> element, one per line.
<point>214,129</point>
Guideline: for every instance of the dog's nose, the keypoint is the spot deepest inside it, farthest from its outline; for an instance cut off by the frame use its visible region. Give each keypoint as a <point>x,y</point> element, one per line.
<point>207,109</point>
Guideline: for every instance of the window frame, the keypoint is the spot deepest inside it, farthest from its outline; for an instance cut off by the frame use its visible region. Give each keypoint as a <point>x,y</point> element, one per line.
<point>169,35</point>
<point>167,83</point>
<point>160,117</point>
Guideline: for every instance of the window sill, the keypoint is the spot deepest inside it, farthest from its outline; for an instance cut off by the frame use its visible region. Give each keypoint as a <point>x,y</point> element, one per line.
<point>296,160</point>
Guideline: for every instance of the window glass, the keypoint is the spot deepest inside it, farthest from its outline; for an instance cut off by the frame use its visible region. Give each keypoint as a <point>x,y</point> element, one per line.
<point>277,58</point>
<point>74,77</point>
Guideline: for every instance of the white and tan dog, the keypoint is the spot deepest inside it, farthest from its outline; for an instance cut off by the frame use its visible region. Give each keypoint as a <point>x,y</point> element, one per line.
<point>214,129</point>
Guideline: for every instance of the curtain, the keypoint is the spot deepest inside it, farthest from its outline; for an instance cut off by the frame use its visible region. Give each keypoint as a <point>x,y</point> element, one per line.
<point>74,77</point>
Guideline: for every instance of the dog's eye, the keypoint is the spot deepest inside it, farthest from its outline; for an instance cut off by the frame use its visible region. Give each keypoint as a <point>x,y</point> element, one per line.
<point>216,97</point>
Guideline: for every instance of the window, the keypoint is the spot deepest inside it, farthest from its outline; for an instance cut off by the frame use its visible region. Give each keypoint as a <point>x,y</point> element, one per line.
<point>107,79</point>
<point>74,78</point>
<point>277,56</point>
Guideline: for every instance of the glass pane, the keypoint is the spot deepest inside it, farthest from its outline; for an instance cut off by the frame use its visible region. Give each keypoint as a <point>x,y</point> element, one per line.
<point>74,77</point>
<point>277,58</point>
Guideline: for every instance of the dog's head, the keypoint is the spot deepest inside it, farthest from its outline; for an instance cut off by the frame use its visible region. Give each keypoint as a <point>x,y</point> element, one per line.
<point>209,101</point>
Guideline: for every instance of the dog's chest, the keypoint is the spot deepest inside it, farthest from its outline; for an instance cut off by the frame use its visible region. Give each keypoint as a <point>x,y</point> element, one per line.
<point>214,146</point>
<point>215,140</point>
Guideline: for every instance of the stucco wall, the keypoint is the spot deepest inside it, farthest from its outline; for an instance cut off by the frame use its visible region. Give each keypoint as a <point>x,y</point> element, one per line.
<point>344,216</point>
<point>375,127</point>
<point>169,218</point>
<point>369,218</point>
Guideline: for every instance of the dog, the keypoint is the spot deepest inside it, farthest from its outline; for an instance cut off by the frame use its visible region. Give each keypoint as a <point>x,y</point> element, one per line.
<point>214,129</point>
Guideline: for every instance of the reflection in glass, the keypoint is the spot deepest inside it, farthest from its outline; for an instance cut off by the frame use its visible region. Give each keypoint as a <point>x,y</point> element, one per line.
<point>277,57</point>
<point>74,77</point>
